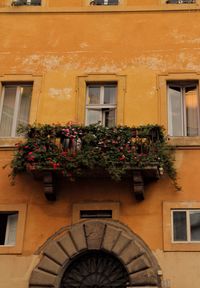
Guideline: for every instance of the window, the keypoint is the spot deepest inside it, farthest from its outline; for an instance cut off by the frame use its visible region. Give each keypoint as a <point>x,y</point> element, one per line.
<point>100,214</point>
<point>104,2</point>
<point>183,108</point>
<point>180,1</point>
<point>101,104</point>
<point>26,2</point>
<point>186,225</point>
<point>14,107</point>
<point>181,226</point>
<point>95,210</point>
<point>8,227</point>
<point>12,226</point>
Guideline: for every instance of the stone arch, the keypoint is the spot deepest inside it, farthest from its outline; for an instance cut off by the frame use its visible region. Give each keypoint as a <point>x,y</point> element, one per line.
<point>111,236</point>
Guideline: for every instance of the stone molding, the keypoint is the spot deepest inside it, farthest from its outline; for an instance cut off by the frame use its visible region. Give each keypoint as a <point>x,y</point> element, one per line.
<point>111,236</point>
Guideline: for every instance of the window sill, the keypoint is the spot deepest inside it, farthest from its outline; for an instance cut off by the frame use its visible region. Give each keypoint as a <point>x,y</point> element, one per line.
<point>184,142</point>
<point>9,143</point>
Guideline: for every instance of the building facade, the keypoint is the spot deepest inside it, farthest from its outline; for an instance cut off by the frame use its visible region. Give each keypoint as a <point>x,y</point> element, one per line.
<point>125,62</point>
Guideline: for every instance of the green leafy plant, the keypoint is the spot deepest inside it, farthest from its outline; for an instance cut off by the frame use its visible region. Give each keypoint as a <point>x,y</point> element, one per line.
<point>73,149</point>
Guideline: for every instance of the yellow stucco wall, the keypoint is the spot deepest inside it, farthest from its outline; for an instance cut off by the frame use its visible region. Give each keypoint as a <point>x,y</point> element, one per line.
<point>59,47</point>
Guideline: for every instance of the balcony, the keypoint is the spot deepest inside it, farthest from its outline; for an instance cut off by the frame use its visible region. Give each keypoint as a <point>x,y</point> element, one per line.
<point>140,154</point>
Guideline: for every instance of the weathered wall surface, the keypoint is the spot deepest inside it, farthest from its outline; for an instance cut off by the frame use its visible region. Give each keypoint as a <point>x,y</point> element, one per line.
<point>67,46</point>
<point>59,47</point>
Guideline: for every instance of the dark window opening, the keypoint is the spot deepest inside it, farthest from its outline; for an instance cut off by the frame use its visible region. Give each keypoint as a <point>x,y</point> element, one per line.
<point>90,214</point>
<point>8,226</point>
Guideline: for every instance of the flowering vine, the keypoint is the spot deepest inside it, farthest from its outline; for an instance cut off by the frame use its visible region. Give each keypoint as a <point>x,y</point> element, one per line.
<point>73,149</point>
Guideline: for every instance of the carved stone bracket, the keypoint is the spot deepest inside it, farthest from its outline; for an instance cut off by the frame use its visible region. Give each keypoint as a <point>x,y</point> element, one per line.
<point>49,186</point>
<point>140,176</point>
<point>138,185</point>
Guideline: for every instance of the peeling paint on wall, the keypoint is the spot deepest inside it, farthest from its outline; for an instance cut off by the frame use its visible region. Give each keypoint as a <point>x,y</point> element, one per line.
<point>182,38</point>
<point>60,94</point>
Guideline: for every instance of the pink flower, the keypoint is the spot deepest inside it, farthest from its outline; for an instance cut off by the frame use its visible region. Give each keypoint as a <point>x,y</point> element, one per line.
<point>122,158</point>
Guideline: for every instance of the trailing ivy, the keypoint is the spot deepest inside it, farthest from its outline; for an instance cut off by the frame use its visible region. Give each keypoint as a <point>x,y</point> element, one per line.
<point>73,149</point>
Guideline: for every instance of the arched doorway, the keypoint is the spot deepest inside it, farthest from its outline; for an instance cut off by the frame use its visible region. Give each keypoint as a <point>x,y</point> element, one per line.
<point>76,256</point>
<point>95,268</point>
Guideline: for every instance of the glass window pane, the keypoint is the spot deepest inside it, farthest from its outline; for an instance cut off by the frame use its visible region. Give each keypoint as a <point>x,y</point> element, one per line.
<point>93,94</point>
<point>94,116</point>
<point>10,237</point>
<point>175,111</point>
<point>109,117</point>
<point>179,226</point>
<point>195,225</point>
<point>35,2</point>
<point>23,116</point>
<point>8,110</point>
<point>110,94</point>
<point>112,2</point>
<point>191,103</point>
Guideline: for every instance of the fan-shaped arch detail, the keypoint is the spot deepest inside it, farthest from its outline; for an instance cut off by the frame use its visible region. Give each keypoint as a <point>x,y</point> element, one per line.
<point>99,242</point>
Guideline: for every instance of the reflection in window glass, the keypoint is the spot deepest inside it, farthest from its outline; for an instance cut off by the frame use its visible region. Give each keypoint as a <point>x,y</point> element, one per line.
<point>183,108</point>
<point>195,225</point>
<point>179,226</point>
<point>191,103</point>
<point>94,116</point>
<point>109,117</point>
<point>175,111</point>
<point>109,94</point>
<point>93,94</point>
<point>14,107</point>
<point>7,114</point>
<point>24,109</point>
<point>101,104</point>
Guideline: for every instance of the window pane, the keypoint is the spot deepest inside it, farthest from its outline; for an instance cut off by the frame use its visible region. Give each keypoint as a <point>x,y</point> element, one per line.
<point>175,111</point>
<point>179,226</point>
<point>191,103</point>
<point>109,117</point>
<point>23,116</point>
<point>35,2</point>
<point>94,116</point>
<point>93,94</point>
<point>110,94</point>
<point>113,2</point>
<point>11,228</point>
<point>195,225</point>
<point>8,111</point>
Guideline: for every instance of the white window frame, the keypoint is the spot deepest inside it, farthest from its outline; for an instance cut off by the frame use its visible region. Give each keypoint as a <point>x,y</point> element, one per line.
<point>188,226</point>
<point>101,106</point>
<point>16,105</point>
<point>22,3</point>
<point>183,106</point>
<point>104,2</point>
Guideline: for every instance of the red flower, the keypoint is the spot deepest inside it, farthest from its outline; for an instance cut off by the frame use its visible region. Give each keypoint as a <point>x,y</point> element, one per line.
<point>121,158</point>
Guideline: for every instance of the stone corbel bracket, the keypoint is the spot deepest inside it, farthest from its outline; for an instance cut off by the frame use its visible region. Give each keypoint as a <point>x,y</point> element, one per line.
<point>49,185</point>
<point>140,176</point>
